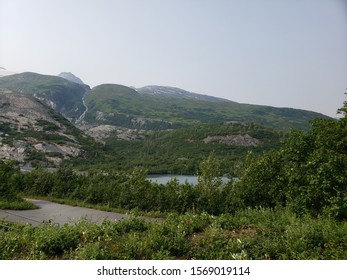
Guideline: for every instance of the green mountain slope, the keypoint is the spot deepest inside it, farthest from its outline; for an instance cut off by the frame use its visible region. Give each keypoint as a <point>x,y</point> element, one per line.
<point>180,151</point>
<point>151,107</point>
<point>124,106</point>
<point>60,94</point>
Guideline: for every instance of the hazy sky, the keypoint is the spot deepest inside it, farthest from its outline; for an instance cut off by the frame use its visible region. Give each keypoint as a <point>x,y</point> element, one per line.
<point>286,53</point>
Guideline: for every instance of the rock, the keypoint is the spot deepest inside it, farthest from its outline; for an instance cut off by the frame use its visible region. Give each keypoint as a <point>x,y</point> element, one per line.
<point>15,152</point>
<point>233,140</point>
<point>32,122</point>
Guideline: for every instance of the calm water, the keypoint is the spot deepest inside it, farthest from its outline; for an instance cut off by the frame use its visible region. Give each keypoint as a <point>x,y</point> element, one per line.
<point>163,179</point>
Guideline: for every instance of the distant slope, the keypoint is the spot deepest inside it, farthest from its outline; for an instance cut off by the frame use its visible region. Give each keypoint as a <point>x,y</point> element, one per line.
<point>180,151</point>
<point>60,94</point>
<point>150,107</point>
<point>164,107</point>
<point>71,77</point>
<point>32,133</point>
<point>173,92</point>
<point>123,106</point>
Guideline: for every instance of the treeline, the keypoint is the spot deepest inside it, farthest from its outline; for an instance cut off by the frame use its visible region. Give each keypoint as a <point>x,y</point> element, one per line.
<point>119,189</point>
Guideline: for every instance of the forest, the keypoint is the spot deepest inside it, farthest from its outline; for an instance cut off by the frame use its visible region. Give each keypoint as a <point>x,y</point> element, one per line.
<point>288,203</point>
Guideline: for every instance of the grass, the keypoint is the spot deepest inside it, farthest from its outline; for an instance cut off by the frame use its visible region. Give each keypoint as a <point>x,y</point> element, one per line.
<point>17,205</point>
<point>102,207</point>
<point>260,234</point>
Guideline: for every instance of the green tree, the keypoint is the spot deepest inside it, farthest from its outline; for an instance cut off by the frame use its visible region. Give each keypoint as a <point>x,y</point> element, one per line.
<point>7,188</point>
<point>308,173</point>
<point>209,185</point>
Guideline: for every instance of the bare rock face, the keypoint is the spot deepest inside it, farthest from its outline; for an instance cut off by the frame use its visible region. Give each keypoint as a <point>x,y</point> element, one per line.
<point>100,131</point>
<point>23,112</point>
<point>104,131</point>
<point>26,126</point>
<point>233,140</point>
<point>15,152</point>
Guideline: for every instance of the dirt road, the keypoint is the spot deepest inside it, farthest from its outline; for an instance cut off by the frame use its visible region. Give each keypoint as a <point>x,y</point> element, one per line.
<point>58,213</point>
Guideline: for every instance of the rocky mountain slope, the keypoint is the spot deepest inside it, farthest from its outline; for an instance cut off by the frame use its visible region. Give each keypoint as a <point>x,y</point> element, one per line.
<point>62,95</point>
<point>31,132</point>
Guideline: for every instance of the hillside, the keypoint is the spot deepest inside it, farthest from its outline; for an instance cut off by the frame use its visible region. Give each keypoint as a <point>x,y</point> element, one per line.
<point>149,108</point>
<point>32,133</point>
<point>173,92</point>
<point>63,96</point>
<point>180,151</point>
<point>164,107</point>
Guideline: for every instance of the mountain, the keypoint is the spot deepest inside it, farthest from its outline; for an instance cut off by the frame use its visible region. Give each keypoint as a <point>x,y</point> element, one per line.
<point>33,133</point>
<point>163,129</point>
<point>150,107</point>
<point>71,77</point>
<point>60,94</point>
<point>155,107</point>
<point>173,92</point>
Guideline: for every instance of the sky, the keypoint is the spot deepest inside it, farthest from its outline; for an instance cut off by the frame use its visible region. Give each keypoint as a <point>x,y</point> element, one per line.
<point>283,53</point>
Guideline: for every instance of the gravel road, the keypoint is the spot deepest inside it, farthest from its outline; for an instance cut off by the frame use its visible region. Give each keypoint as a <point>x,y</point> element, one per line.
<point>58,213</point>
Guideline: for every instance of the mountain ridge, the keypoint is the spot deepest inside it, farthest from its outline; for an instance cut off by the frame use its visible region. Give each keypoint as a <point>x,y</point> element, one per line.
<point>150,107</point>
<point>116,104</point>
<point>163,129</point>
<point>177,93</point>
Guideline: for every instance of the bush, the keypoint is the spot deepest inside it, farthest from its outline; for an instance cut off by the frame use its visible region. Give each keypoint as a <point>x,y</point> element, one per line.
<point>308,174</point>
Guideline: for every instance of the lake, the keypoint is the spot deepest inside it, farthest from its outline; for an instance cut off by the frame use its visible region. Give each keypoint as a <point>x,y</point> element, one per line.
<point>165,178</point>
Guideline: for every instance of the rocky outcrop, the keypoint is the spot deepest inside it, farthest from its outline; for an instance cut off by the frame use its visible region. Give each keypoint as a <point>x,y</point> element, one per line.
<point>70,77</point>
<point>233,140</point>
<point>104,131</point>
<point>26,127</point>
<point>16,152</point>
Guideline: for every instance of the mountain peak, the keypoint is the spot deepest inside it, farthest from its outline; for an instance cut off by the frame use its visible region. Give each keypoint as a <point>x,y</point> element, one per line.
<point>71,77</point>
<point>177,93</point>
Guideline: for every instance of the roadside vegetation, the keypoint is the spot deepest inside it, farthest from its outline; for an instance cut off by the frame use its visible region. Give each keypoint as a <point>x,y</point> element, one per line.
<point>247,234</point>
<point>290,203</point>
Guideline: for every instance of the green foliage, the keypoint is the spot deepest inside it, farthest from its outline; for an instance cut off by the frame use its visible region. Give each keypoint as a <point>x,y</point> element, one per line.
<point>17,204</point>
<point>48,126</point>
<point>308,174</point>
<point>7,172</point>
<point>209,186</point>
<point>248,234</point>
<point>180,151</point>
<point>9,183</point>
